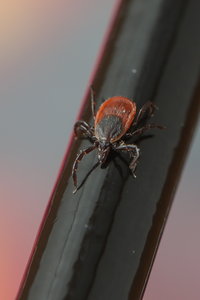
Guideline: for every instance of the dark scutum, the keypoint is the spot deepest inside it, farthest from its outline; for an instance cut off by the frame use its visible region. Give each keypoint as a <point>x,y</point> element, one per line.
<point>109,128</point>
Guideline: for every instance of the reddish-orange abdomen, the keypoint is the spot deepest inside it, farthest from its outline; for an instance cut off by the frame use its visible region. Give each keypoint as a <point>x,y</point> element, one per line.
<point>114,118</point>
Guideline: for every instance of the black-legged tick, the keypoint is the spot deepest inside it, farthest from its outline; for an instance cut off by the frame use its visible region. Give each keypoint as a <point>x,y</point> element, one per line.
<point>113,125</point>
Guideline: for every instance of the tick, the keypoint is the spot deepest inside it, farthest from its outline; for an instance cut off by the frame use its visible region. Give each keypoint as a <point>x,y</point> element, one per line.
<point>113,125</point>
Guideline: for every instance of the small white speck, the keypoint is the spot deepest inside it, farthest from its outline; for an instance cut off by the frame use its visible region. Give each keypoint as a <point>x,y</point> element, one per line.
<point>124,111</point>
<point>133,251</point>
<point>134,71</point>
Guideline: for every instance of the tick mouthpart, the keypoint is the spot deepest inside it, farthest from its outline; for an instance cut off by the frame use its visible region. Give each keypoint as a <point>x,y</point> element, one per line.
<point>104,143</point>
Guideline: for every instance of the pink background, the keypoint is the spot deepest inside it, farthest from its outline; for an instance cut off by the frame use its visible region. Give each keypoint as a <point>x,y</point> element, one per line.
<point>47,54</point>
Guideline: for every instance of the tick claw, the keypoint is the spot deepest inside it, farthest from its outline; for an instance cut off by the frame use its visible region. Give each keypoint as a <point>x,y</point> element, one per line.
<point>75,191</point>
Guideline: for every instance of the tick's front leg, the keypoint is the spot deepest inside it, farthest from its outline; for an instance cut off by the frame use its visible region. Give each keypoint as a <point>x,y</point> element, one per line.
<point>85,128</point>
<point>76,162</point>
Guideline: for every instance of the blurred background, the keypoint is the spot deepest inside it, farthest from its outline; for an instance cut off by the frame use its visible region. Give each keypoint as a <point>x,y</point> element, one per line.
<point>48,52</point>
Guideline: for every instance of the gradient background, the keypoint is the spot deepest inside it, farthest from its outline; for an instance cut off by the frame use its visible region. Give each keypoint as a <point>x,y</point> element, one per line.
<point>48,50</point>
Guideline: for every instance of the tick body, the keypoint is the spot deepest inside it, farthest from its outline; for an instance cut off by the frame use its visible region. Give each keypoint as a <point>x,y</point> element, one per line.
<point>113,125</point>
<point>114,118</point>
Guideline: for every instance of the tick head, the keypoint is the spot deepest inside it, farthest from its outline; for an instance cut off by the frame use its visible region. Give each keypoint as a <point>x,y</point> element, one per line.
<point>103,150</point>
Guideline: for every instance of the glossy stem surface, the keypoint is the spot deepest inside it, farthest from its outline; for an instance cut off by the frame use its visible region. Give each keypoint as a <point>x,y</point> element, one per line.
<point>100,243</point>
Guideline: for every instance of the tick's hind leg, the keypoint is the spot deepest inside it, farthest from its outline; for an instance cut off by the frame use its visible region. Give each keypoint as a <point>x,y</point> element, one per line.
<point>77,160</point>
<point>85,128</point>
<point>134,152</point>
<point>150,105</point>
<point>147,127</point>
<point>144,128</point>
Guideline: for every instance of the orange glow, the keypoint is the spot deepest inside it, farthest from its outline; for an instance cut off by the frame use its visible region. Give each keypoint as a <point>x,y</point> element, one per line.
<point>26,25</point>
<point>4,276</point>
<point>15,25</point>
<point>23,22</point>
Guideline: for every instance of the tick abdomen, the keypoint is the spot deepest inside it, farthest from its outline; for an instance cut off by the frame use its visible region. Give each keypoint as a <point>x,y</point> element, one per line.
<point>113,118</point>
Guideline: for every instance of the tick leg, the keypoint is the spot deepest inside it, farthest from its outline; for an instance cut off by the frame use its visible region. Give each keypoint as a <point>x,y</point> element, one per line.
<point>134,152</point>
<point>145,128</point>
<point>93,101</point>
<point>77,160</point>
<point>85,128</point>
<point>150,105</point>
